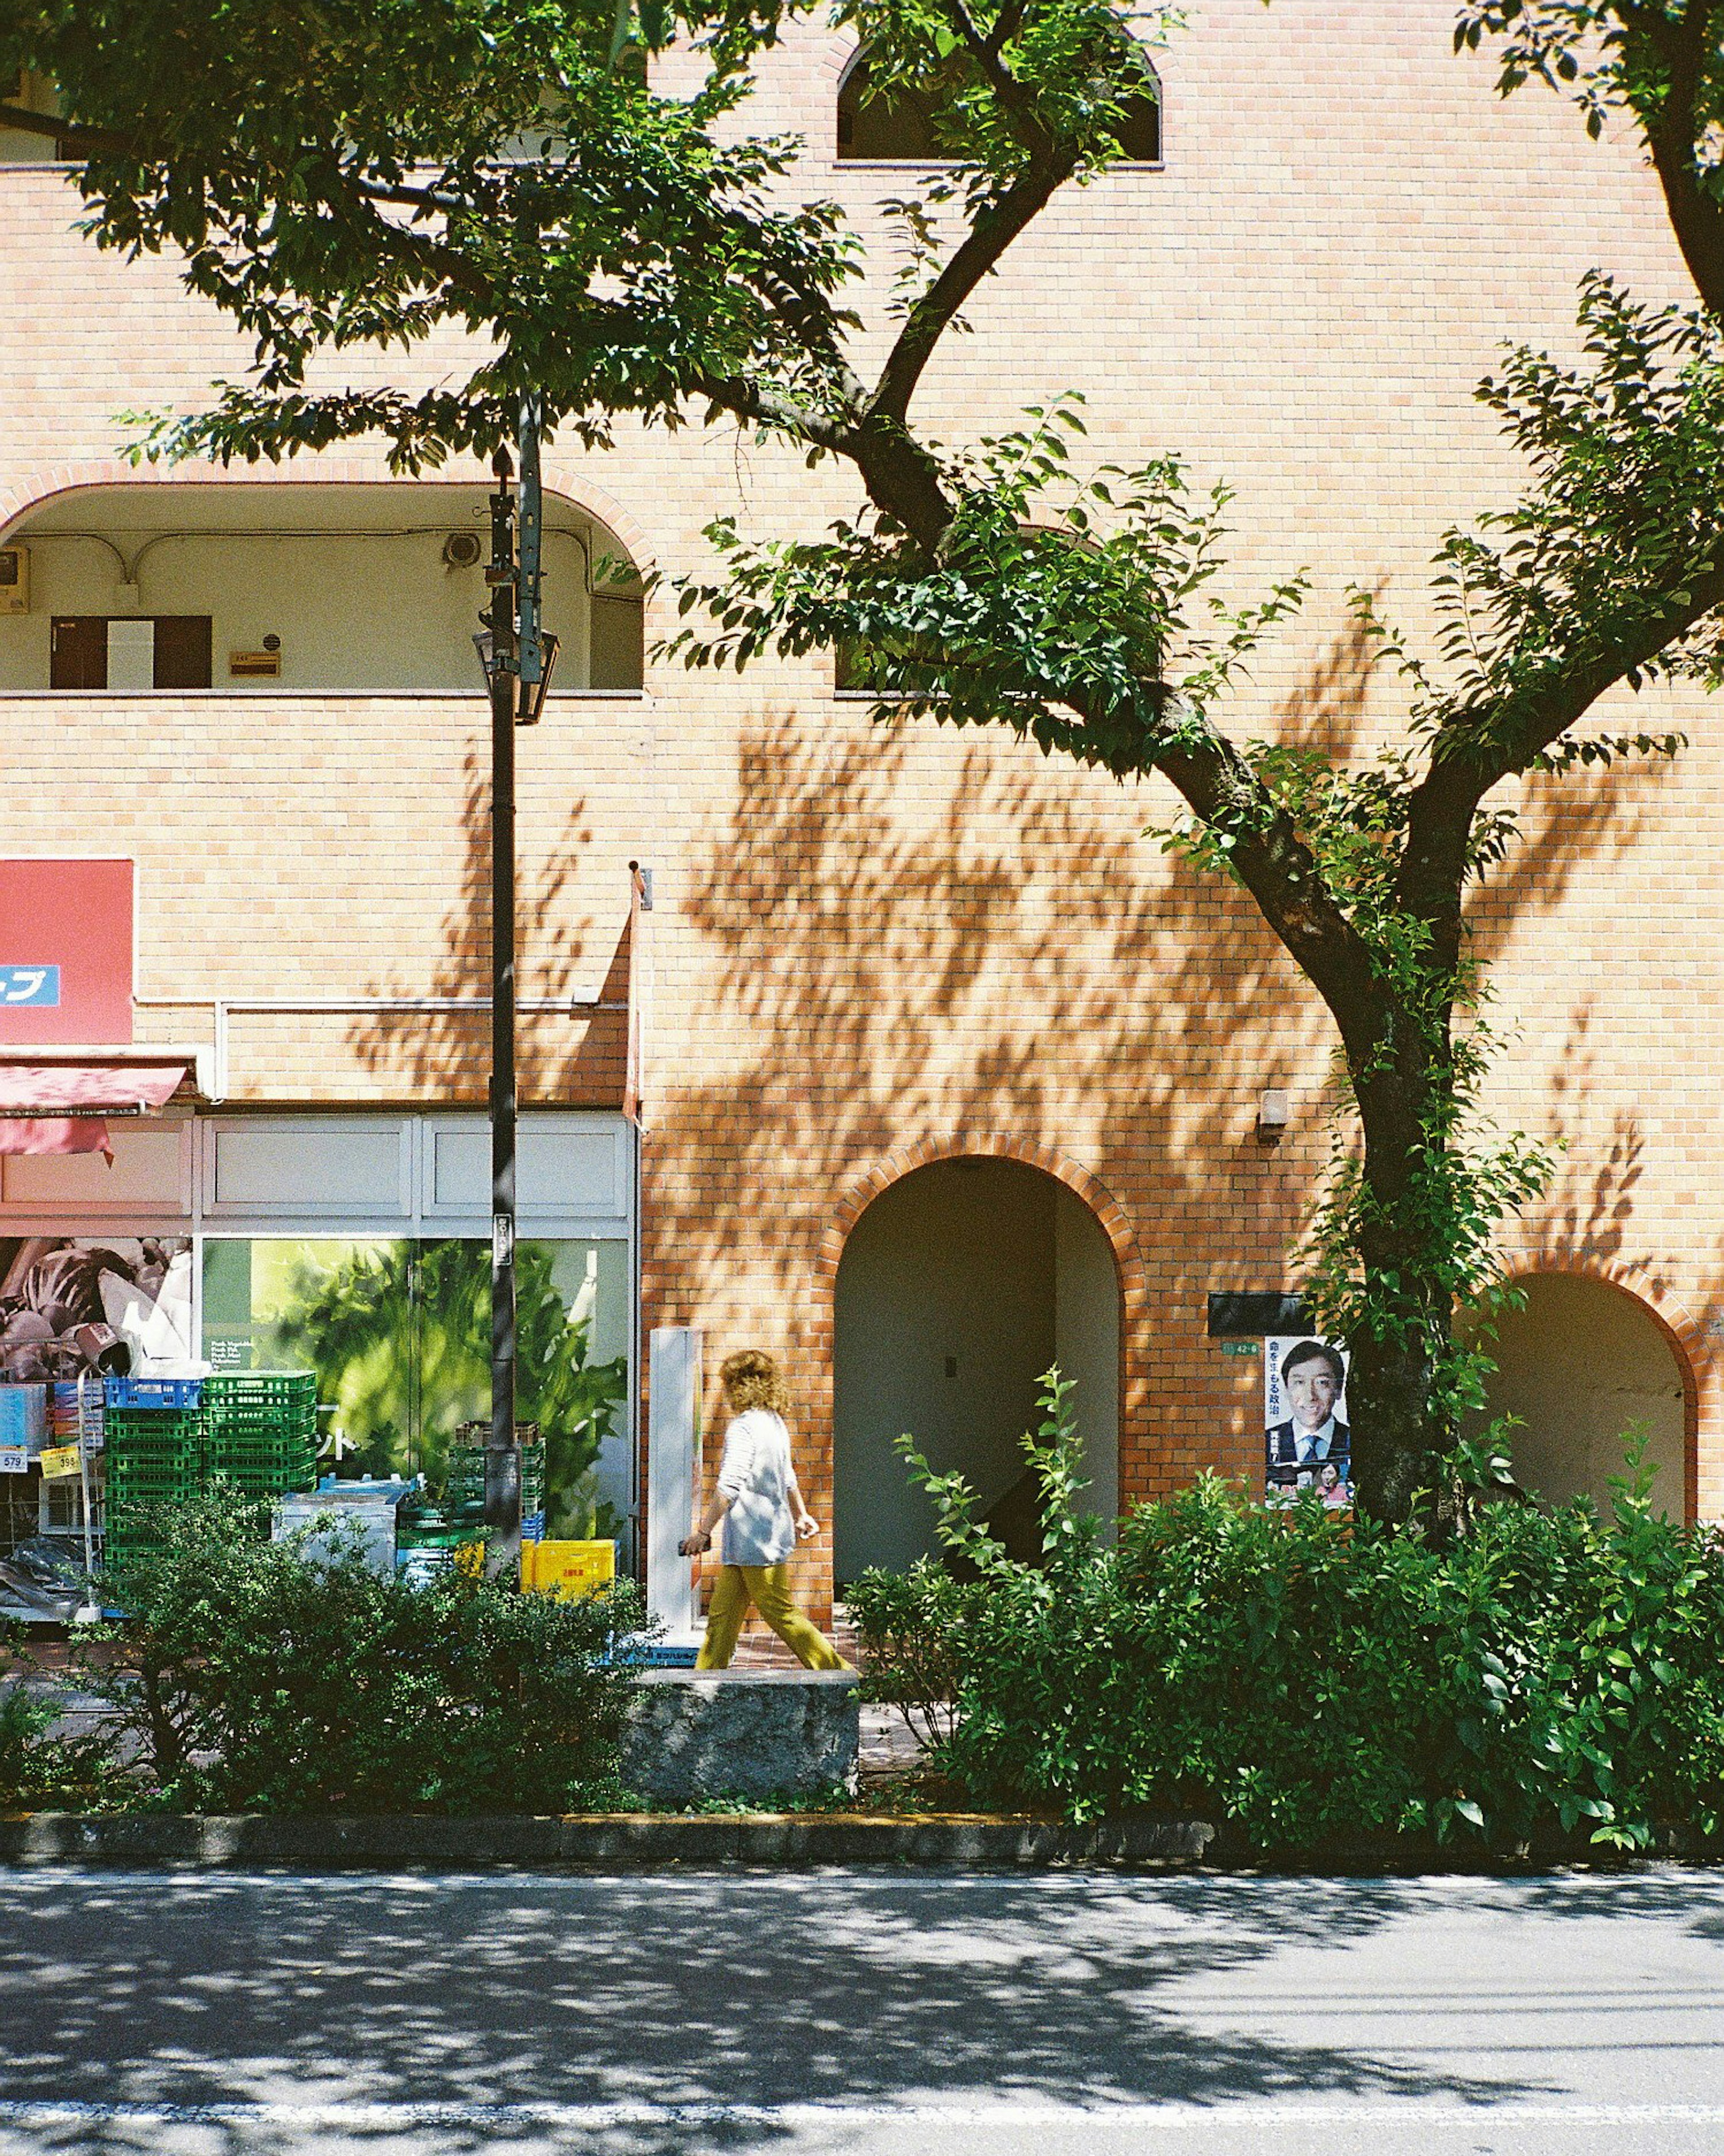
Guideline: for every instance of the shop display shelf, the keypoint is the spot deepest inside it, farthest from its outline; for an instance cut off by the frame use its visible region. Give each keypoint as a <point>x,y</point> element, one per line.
<point>24,1414</point>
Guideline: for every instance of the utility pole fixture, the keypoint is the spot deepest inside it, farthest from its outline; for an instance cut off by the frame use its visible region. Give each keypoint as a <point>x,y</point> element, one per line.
<point>519,659</point>
<point>497,648</point>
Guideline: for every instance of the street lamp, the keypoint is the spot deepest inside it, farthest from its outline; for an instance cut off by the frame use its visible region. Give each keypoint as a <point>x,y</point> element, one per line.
<point>518,659</point>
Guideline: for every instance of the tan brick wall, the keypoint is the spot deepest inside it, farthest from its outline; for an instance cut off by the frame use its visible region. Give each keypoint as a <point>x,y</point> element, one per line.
<point>873,946</point>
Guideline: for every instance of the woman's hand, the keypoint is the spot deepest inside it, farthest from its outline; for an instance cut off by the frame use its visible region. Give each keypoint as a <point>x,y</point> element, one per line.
<point>694,1545</point>
<point>807,1527</point>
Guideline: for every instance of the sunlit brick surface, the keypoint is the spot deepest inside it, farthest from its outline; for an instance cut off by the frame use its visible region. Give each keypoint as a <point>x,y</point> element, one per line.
<point>874,946</point>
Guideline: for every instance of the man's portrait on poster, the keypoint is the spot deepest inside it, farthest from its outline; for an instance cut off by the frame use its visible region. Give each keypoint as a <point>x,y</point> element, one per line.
<point>1307,1439</point>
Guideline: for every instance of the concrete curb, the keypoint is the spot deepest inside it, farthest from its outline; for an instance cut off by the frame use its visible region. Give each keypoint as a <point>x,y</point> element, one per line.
<point>627,1841</point>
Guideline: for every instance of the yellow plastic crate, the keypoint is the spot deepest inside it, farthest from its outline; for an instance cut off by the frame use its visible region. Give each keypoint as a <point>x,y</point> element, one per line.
<point>572,1569</point>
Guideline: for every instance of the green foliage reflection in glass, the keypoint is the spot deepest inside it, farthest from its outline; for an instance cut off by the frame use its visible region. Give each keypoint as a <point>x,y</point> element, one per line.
<point>399,1334</point>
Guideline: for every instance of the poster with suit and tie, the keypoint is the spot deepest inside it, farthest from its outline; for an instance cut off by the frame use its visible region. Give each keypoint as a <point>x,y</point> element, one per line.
<point>1307,1439</point>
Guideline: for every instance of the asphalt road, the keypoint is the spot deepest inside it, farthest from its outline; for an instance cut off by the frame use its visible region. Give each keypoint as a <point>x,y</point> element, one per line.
<point>860,2015</point>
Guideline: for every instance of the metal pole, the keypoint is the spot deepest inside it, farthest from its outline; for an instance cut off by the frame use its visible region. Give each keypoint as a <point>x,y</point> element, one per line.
<point>502,1459</point>
<point>532,521</point>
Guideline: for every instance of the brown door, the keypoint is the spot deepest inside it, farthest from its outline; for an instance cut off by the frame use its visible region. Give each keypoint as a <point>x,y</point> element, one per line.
<point>182,651</point>
<point>79,652</point>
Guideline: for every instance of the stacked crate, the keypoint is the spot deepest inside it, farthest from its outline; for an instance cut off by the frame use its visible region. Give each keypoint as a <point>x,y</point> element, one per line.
<point>168,1440</point>
<point>260,1430</point>
<point>463,1491</point>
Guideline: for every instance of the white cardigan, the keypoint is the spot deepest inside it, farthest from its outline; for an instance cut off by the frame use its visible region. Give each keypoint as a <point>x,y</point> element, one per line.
<point>756,1475</point>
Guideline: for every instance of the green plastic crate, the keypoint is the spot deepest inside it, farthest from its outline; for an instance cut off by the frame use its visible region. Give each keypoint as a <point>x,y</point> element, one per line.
<point>239,1389</point>
<point>153,1434</point>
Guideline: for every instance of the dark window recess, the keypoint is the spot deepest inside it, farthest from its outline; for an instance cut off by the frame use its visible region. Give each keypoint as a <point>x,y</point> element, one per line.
<point>617,659</point>
<point>1139,135</point>
<point>1252,1316</point>
<point>894,126</point>
<point>78,651</point>
<point>182,651</point>
<point>900,126</point>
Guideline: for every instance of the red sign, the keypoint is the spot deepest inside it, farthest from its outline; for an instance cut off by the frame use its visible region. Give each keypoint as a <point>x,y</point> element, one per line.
<point>65,953</point>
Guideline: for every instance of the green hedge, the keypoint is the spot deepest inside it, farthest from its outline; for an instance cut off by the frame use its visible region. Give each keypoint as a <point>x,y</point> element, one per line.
<point>253,1676</point>
<point>1318,1682</point>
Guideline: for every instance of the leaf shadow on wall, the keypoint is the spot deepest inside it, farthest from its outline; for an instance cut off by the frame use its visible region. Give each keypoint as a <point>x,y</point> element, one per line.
<point>915,935</point>
<point>564,947</point>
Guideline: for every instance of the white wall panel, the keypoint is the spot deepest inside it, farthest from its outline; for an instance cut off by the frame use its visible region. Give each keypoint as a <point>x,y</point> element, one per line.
<point>313,1168</point>
<point>151,1175</point>
<point>566,1168</point>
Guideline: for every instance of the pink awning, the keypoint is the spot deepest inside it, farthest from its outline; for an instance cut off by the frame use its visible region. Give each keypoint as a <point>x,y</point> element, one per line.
<point>62,1107</point>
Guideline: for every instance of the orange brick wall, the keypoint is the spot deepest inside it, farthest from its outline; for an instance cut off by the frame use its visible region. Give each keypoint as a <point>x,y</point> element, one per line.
<point>873,946</point>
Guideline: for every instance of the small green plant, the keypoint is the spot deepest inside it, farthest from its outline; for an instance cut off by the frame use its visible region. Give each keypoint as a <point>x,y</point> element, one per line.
<point>1327,1684</point>
<point>43,1766</point>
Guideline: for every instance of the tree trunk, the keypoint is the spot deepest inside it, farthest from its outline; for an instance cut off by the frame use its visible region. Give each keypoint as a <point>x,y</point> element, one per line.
<point>1396,1442</point>
<point>1404,1318</point>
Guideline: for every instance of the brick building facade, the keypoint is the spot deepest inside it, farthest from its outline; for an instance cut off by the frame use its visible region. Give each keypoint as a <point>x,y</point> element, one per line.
<point>873,949</point>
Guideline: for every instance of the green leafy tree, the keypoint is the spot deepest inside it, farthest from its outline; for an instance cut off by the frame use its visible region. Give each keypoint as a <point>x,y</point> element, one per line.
<point>381,175</point>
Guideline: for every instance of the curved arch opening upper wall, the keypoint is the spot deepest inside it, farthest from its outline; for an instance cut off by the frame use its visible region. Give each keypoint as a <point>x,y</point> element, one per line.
<point>366,590</point>
<point>896,127</point>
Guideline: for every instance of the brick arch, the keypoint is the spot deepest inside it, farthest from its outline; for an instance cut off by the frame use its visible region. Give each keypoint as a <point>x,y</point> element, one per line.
<point>371,469</point>
<point>820,1331</point>
<point>1693,1344</point>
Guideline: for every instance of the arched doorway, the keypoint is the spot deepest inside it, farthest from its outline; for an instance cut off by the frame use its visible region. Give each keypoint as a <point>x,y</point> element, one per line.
<point>1579,1365</point>
<point>959,1286</point>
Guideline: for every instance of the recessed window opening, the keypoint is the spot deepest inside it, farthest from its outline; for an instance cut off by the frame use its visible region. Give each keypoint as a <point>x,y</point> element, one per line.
<point>296,589</point>
<point>896,124</point>
<point>18,145</point>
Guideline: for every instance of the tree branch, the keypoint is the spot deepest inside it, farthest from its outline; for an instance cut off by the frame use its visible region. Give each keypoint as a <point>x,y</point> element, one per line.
<point>1684,44</point>
<point>1479,747</point>
<point>996,225</point>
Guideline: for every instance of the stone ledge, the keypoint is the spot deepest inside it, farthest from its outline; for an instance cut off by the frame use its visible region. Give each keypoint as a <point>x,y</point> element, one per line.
<point>622,1841</point>
<point>760,1733</point>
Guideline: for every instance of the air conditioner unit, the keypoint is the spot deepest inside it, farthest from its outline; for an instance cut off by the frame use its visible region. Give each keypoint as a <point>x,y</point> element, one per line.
<point>14,580</point>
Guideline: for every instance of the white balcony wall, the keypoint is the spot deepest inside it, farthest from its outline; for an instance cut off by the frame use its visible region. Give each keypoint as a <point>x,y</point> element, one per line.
<point>352,580</point>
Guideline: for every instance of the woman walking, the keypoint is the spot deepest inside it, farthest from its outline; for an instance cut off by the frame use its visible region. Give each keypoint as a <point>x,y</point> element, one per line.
<point>759,1501</point>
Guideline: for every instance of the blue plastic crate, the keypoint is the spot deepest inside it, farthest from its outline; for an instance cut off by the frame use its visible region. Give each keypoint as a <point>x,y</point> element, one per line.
<point>659,1657</point>
<point>174,1394</point>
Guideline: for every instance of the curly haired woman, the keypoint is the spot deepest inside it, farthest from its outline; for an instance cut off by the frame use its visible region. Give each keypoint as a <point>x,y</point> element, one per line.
<point>759,1501</point>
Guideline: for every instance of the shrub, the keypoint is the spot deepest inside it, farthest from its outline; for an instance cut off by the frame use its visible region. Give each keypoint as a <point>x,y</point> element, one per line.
<point>289,1677</point>
<point>1319,1681</point>
<point>41,1766</point>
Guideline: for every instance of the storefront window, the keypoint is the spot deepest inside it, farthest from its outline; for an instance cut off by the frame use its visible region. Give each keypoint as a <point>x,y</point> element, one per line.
<point>398,1332</point>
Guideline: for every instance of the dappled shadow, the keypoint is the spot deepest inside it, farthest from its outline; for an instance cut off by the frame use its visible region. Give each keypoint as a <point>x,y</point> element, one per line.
<point>860,1989</point>
<point>563,950</point>
<point>1564,823</point>
<point>914,936</point>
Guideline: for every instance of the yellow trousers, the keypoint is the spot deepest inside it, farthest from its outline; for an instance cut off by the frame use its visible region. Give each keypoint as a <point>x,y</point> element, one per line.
<point>767,1587</point>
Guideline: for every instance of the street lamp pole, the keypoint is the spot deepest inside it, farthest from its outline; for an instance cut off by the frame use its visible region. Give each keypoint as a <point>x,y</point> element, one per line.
<point>502,1458</point>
